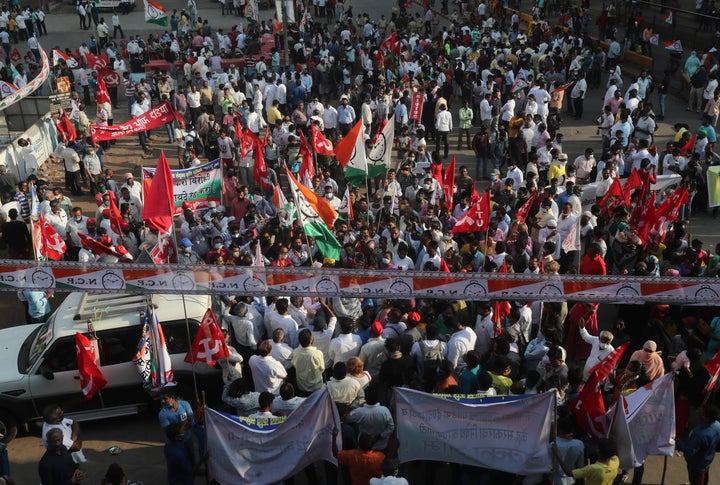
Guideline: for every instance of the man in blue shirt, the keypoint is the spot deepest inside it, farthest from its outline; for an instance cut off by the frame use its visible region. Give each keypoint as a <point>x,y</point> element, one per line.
<point>699,448</point>
<point>38,305</point>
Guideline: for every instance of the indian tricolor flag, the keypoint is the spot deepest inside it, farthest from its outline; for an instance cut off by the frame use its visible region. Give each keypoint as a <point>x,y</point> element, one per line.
<point>350,152</point>
<point>668,18</point>
<point>380,154</point>
<point>59,56</point>
<point>673,46</point>
<point>155,13</point>
<point>316,216</point>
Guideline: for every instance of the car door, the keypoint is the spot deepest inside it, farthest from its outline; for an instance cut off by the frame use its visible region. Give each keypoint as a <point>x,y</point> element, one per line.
<point>117,348</point>
<point>55,379</point>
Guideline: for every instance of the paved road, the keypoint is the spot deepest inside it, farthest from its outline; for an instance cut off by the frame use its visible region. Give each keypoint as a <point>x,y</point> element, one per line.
<point>140,436</point>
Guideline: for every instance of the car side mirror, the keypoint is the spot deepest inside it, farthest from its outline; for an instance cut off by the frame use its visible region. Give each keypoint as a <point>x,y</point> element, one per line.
<point>47,373</point>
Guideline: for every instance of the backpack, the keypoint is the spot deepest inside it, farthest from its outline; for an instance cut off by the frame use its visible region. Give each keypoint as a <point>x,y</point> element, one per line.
<point>432,357</point>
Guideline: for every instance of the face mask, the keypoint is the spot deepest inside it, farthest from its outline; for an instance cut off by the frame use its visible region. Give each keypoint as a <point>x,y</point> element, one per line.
<point>78,219</point>
<point>236,254</point>
<point>603,346</point>
<point>493,177</point>
<point>329,196</point>
<point>426,186</point>
<point>218,246</point>
<point>386,261</point>
<point>188,250</point>
<point>106,203</point>
<point>236,234</point>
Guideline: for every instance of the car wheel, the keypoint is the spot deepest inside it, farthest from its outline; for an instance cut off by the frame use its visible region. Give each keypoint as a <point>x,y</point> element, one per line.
<point>8,426</point>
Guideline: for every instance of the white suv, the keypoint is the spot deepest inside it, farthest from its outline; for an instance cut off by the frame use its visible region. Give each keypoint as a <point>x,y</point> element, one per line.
<point>38,363</point>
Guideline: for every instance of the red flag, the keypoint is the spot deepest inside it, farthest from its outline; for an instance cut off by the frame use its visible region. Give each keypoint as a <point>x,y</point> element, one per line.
<point>53,246</point>
<point>91,378</point>
<point>96,246</point>
<point>688,147</point>
<point>615,190</point>
<point>444,266</point>
<point>117,223</point>
<point>589,407</point>
<point>246,142</point>
<point>646,218</point>
<point>477,218</point>
<point>260,173</point>
<point>501,308</point>
<point>209,345</point>
<point>713,368</point>
<point>449,184</point>
<point>631,183</point>
<point>321,145</point>
<point>391,44</point>
<point>667,213</point>
<point>160,197</point>
<point>15,55</point>
<point>524,209</point>
<point>238,132</point>
<point>65,128</point>
<point>101,92</point>
<point>162,252</point>
<point>96,63</point>
<point>307,168</point>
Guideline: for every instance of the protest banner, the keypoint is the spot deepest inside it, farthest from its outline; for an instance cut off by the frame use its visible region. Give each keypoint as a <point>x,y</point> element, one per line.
<point>197,185</point>
<point>263,451</point>
<point>157,116</point>
<point>416,108</point>
<point>509,436</point>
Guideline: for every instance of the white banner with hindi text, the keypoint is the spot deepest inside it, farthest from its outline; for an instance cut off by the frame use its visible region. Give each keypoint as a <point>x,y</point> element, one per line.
<point>509,436</point>
<point>259,453</point>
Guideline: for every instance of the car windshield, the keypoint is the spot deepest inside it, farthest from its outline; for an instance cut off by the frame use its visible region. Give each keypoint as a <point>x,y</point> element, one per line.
<point>42,339</point>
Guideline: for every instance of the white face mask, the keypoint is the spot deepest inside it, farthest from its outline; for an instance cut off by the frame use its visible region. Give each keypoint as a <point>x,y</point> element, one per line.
<point>603,346</point>
<point>329,195</point>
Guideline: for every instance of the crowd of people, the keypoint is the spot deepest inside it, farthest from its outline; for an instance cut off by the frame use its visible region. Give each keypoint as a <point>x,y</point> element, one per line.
<point>494,86</point>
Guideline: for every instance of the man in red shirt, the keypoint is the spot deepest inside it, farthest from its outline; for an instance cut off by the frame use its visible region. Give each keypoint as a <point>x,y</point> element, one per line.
<point>364,462</point>
<point>593,263</point>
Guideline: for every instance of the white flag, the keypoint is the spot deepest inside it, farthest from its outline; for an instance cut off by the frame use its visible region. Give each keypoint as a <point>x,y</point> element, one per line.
<point>572,240</point>
<point>256,452</point>
<point>650,417</point>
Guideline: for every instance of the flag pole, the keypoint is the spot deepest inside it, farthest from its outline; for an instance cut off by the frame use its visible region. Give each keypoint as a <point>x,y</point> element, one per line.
<point>192,356</point>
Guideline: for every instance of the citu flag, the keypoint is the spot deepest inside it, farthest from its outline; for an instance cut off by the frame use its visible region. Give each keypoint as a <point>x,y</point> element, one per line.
<point>615,191</point>
<point>321,145</point>
<point>631,183</point>
<point>589,407</point>
<point>101,93</point>
<point>159,199</point>
<point>53,246</point>
<point>209,345</point>
<point>477,218</point>
<point>449,184</point>
<point>15,55</point>
<point>91,378</point>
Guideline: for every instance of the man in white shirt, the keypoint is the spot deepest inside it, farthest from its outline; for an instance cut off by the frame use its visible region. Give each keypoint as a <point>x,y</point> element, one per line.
<point>443,127</point>
<point>461,342</point>
<point>268,374</point>
<point>578,95</point>
<point>345,345</point>
<point>330,120</point>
